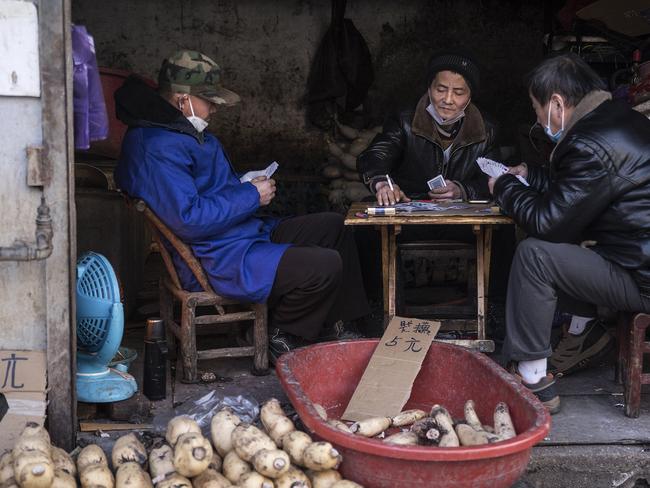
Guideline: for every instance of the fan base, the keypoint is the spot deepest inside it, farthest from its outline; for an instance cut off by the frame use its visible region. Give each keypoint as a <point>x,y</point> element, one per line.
<point>105,386</point>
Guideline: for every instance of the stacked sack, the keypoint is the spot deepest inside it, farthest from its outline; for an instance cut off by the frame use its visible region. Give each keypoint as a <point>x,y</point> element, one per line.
<point>345,185</point>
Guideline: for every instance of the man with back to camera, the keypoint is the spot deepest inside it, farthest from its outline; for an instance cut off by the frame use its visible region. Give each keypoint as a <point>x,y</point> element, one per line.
<point>306,268</point>
<point>588,221</point>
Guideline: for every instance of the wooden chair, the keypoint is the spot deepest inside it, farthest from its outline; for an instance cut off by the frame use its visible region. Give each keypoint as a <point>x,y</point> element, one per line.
<point>632,346</point>
<point>185,332</point>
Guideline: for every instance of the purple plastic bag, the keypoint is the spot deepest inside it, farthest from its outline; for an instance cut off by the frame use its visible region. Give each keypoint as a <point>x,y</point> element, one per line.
<point>90,118</point>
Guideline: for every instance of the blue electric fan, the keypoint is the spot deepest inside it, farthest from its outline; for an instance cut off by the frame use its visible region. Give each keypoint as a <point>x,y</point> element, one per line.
<point>100,325</point>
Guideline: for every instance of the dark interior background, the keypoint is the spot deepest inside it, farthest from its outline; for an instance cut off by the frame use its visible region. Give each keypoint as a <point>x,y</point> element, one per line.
<point>266,49</point>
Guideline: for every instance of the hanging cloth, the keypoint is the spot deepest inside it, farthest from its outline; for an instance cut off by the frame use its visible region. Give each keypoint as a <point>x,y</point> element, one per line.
<point>341,71</point>
<point>90,118</point>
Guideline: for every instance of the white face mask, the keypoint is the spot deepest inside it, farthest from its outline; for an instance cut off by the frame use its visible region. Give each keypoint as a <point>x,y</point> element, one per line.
<point>555,137</point>
<point>431,109</point>
<point>198,123</point>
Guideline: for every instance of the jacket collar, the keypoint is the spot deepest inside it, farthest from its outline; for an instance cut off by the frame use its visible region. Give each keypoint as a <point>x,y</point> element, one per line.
<point>588,104</point>
<point>137,104</point>
<point>471,132</point>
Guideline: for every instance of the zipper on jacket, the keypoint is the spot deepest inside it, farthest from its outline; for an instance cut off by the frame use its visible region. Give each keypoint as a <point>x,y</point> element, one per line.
<point>443,168</point>
<point>445,164</point>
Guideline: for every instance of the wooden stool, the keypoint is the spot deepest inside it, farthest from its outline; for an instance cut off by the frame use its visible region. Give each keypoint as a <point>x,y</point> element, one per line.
<point>185,331</point>
<point>632,346</point>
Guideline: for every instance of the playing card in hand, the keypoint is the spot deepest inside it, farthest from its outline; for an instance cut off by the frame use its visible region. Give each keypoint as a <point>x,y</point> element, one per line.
<point>437,182</point>
<point>495,169</point>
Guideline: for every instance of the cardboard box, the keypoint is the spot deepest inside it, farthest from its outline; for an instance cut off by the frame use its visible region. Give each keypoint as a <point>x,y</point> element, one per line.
<point>386,384</point>
<point>629,17</point>
<point>23,381</point>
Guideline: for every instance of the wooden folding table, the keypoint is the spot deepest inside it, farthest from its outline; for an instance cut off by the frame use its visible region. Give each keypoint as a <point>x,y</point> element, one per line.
<point>480,216</point>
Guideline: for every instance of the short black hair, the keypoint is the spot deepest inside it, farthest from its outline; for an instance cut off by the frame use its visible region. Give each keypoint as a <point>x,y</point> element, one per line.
<point>566,74</point>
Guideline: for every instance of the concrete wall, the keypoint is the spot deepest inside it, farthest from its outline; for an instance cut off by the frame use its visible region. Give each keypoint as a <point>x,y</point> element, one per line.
<point>266,48</point>
<point>22,296</point>
<point>35,296</point>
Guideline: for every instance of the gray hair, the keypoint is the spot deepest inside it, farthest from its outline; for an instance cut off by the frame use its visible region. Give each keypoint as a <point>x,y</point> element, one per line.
<point>566,74</point>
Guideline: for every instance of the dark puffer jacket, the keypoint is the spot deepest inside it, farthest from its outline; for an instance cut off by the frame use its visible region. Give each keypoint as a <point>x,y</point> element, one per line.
<point>598,189</point>
<point>409,149</point>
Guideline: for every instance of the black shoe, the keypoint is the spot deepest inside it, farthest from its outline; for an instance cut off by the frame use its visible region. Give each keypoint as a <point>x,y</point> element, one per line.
<point>340,331</point>
<point>546,392</point>
<point>574,352</point>
<point>544,389</point>
<point>282,342</point>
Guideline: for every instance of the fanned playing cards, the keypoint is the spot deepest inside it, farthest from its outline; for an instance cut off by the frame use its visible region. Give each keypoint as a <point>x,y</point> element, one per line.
<point>268,172</point>
<point>495,169</point>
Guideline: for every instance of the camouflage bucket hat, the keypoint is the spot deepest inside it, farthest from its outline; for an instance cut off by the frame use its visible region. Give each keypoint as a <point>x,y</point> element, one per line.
<point>196,74</point>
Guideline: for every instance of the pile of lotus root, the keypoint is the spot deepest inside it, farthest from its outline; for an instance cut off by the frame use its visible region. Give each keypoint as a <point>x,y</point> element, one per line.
<point>438,428</point>
<point>238,455</point>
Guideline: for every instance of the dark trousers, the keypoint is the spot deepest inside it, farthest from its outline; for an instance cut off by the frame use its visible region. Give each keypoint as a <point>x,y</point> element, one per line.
<point>544,272</point>
<point>318,280</point>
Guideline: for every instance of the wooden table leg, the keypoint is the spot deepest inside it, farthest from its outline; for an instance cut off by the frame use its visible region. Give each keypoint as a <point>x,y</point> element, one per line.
<point>487,258</point>
<point>385,266</point>
<point>389,268</point>
<point>480,280</point>
<point>392,268</point>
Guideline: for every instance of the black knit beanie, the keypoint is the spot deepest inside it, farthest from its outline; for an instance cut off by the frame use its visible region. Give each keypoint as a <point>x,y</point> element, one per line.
<point>458,62</point>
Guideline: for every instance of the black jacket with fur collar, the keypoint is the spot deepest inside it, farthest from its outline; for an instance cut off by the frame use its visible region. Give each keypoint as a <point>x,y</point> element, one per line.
<point>410,150</point>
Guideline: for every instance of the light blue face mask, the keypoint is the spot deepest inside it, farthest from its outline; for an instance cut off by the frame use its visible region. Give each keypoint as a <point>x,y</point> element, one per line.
<point>558,135</point>
<point>431,109</point>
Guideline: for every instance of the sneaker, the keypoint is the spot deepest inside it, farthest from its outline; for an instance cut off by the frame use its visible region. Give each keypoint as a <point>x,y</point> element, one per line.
<point>544,390</point>
<point>574,352</point>
<point>340,331</point>
<point>282,342</point>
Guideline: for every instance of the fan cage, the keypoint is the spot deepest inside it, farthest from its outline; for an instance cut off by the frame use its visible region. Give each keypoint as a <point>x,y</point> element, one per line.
<point>94,283</point>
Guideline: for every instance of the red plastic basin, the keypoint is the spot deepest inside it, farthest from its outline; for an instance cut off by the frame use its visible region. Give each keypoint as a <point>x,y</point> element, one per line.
<point>328,374</point>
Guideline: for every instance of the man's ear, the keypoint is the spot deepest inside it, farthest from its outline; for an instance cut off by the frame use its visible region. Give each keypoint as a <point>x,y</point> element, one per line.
<point>557,101</point>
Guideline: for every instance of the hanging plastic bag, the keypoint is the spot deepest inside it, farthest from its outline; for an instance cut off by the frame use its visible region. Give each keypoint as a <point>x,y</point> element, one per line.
<point>90,117</point>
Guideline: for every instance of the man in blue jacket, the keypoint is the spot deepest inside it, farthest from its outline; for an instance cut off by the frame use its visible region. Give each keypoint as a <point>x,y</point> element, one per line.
<point>306,268</point>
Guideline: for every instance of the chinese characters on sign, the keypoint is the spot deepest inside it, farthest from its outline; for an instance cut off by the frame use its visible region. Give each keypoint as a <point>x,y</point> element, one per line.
<point>388,379</point>
<point>9,365</point>
<point>412,333</point>
<point>22,371</point>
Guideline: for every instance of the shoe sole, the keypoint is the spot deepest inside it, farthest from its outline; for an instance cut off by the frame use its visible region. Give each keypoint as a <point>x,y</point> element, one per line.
<point>595,352</point>
<point>552,405</point>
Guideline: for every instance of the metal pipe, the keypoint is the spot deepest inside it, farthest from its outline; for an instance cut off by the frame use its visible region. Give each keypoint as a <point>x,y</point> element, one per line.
<point>41,248</point>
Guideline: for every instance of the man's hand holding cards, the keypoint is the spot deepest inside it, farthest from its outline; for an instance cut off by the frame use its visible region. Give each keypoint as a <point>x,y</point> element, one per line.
<point>437,182</point>
<point>443,190</point>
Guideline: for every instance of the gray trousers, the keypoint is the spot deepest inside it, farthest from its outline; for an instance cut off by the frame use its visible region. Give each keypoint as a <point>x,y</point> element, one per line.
<point>543,272</point>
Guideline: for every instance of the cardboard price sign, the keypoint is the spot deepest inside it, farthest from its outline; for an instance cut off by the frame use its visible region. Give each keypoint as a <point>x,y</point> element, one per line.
<point>386,384</point>
<point>23,380</point>
<point>22,371</point>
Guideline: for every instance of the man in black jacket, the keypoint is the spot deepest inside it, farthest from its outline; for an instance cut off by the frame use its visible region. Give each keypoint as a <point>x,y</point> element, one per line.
<point>443,135</point>
<point>588,220</point>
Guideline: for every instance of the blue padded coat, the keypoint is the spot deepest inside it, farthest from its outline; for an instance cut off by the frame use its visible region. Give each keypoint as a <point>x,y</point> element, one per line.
<point>187,180</point>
